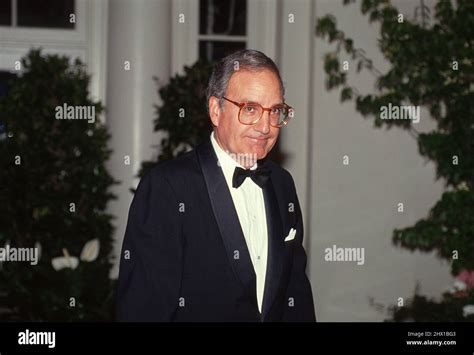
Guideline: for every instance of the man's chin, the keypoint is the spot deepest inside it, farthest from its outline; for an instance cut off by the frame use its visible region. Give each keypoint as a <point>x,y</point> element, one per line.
<point>260,153</point>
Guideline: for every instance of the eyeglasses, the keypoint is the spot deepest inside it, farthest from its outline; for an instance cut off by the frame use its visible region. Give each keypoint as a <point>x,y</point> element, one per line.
<point>251,112</point>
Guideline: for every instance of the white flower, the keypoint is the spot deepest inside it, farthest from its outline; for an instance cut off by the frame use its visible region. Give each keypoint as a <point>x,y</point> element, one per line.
<point>90,251</point>
<point>65,261</point>
<point>468,310</point>
<point>459,285</point>
<point>62,262</point>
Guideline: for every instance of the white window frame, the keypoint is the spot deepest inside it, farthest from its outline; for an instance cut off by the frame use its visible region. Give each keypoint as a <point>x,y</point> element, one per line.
<point>14,33</point>
<point>87,41</point>
<point>261,31</point>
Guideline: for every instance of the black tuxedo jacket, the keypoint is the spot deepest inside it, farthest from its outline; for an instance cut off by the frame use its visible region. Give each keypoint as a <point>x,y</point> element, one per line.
<point>184,256</point>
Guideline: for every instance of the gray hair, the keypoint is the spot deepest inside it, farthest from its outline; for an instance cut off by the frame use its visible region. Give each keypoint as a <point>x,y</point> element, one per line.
<point>245,59</point>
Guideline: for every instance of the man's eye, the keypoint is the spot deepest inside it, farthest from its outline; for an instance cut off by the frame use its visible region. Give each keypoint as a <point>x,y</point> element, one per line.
<point>276,110</point>
<point>250,109</point>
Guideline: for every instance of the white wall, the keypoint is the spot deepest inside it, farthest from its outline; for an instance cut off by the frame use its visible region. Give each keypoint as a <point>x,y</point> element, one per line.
<point>139,32</point>
<point>356,205</point>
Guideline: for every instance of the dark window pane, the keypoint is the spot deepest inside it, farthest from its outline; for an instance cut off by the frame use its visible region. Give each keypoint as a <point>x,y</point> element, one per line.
<point>45,13</point>
<point>5,12</point>
<point>223,17</point>
<point>6,79</point>
<point>214,50</point>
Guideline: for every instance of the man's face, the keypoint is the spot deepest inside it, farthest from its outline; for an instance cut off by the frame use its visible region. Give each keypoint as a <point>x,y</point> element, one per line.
<point>234,137</point>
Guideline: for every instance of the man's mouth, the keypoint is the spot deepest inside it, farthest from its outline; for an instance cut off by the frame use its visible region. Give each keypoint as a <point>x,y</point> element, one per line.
<point>258,139</point>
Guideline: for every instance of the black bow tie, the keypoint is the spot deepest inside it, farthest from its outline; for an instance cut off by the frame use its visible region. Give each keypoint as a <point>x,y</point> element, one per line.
<point>260,175</point>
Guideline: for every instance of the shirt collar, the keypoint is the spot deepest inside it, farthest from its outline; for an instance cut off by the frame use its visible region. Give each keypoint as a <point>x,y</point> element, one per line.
<point>227,163</point>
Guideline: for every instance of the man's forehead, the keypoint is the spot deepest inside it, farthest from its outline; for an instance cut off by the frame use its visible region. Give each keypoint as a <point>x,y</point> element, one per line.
<point>249,89</point>
<point>241,73</point>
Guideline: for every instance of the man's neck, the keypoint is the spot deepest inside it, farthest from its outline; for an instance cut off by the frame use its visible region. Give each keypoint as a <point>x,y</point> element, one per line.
<point>245,163</point>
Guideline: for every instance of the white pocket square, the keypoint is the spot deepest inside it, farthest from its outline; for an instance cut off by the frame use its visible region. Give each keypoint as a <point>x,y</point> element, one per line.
<point>291,235</point>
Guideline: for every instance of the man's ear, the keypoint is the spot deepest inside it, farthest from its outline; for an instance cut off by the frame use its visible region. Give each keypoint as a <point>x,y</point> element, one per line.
<point>214,110</point>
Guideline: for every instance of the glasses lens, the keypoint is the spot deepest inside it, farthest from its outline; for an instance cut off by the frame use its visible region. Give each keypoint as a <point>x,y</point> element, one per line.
<point>250,113</point>
<point>279,115</point>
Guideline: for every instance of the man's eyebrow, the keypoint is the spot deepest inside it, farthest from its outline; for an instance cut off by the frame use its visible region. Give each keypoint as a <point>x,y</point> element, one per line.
<point>248,101</point>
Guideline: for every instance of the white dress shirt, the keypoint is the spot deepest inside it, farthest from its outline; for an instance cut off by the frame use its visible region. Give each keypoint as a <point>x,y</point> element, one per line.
<point>250,206</point>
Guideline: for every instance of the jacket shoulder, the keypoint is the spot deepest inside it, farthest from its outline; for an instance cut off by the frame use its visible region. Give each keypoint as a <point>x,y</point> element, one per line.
<point>280,173</point>
<point>174,172</point>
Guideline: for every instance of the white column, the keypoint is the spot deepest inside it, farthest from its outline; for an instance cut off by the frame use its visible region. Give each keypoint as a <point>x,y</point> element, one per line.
<point>296,65</point>
<point>96,22</point>
<point>139,33</point>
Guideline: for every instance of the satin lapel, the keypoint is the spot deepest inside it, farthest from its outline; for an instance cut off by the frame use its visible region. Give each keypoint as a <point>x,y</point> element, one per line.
<point>227,218</point>
<point>276,247</point>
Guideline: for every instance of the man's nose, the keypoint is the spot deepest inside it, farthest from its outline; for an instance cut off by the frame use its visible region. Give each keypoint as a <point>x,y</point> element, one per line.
<point>263,124</point>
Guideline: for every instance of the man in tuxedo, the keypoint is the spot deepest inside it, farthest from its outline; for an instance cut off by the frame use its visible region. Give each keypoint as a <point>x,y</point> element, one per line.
<point>216,234</point>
